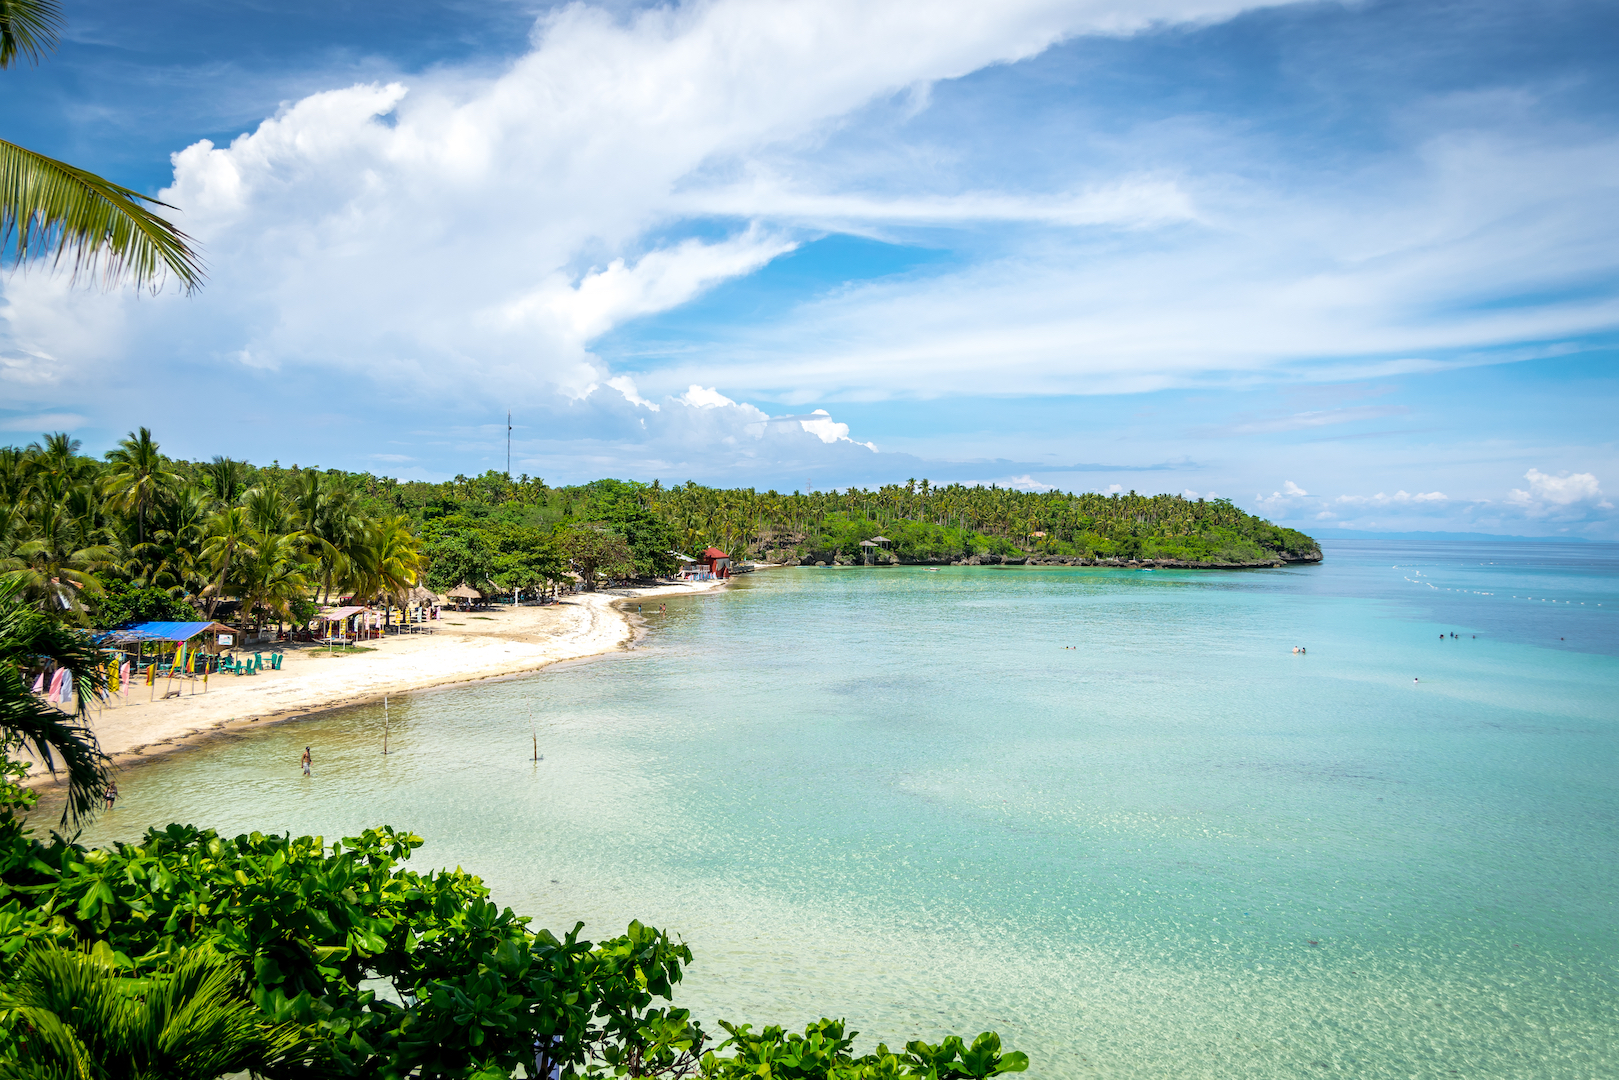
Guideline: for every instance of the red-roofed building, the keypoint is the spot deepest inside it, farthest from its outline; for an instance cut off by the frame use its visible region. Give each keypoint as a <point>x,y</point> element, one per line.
<point>717,562</point>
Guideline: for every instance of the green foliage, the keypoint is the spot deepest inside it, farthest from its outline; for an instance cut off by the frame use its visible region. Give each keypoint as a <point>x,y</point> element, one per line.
<point>375,971</point>
<point>85,1018</point>
<point>274,537</point>
<point>824,1052</point>
<point>311,930</point>
<point>123,602</point>
<point>596,552</point>
<point>498,552</point>
<point>29,641</point>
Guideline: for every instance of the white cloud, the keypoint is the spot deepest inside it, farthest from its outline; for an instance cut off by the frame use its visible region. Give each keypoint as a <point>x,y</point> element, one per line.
<point>1383,273</point>
<point>1399,498</point>
<point>1564,496</point>
<point>1278,502</point>
<point>699,398</point>
<point>458,234</point>
<point>823,427</point>
<point>626,386</point>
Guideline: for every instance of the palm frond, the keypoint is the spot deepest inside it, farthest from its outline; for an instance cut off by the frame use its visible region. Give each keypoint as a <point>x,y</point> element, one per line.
<point>28,639</point>
<point>49,208</point>
<point>51,736</point>
<point>28,29</point>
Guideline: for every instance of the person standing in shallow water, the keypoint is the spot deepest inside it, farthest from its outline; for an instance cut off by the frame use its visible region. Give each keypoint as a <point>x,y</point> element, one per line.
<point>307,761</point>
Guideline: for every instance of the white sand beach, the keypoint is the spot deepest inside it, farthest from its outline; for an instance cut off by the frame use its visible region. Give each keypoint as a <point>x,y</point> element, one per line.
<point>465,646</point>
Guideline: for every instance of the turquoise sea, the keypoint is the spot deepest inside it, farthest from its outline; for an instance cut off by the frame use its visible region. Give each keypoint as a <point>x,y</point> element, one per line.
<point>1109,814</point>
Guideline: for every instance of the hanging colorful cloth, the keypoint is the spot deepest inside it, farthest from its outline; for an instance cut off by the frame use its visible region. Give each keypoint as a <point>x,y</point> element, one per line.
<point>112,676</point>
<point>151,672</point>
<point>39,683</point>
<point>67,686</point>
<point>179,658</point>
<point>56,685</point>
<point>123,676</point>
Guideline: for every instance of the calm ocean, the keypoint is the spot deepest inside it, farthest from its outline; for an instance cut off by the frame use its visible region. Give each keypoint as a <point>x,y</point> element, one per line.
<point>1110,814</point>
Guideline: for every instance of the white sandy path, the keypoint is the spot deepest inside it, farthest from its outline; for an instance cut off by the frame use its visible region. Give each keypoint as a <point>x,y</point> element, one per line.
<point>465,647</point>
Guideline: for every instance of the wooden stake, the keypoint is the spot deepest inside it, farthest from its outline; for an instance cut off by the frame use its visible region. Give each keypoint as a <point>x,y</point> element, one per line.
<point>385,723</point>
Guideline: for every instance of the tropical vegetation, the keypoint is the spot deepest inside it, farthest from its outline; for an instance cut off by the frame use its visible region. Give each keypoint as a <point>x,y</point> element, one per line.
<point>52,210</point>
<point>189,954</point>
<point>141,535</point>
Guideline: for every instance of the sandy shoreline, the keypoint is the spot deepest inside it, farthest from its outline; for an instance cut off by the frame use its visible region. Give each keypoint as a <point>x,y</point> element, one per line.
<point>466,647</point>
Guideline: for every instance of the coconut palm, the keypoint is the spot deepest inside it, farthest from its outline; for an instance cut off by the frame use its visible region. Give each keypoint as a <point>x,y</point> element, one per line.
<point>86,1020</point>
<point>269,573</point>
<point>136,477</point>
<point>323,510</point>
<point>28,642</point>
<point>228,530</point>
<point>52,571</point>
<point>387,560</point>
<point>226,477</point>
<point>170,559</point>
<point>49,208</point>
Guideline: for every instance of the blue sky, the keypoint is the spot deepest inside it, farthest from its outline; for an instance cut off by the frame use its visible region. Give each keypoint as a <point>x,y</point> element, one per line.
<point>1352,265</point>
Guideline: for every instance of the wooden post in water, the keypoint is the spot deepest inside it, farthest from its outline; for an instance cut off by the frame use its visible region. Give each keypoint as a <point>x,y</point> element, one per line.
<point>384,723</point>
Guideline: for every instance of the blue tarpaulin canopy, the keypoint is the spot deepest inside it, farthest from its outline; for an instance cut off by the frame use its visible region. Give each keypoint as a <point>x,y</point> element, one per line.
<point>162,631</point>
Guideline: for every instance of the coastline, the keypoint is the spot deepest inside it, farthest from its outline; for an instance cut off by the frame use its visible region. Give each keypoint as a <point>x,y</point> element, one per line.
<point>466,647</point>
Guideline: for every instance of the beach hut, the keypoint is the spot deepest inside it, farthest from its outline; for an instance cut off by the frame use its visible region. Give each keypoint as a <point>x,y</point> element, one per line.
<point>423,600</point>
<point>337,628</point>
<point>164,637</point>
<point>716,562</point>
<point>464,595</point>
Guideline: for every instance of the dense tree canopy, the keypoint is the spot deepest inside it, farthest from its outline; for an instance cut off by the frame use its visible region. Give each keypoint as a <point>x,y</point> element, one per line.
<point>307,959</point>
<point>94,541</point>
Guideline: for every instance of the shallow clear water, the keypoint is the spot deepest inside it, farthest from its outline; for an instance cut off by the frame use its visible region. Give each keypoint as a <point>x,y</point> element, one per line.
<point>1178,849</point>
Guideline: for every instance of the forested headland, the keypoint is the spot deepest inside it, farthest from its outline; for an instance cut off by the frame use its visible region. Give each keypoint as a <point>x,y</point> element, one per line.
<point>137,534</point>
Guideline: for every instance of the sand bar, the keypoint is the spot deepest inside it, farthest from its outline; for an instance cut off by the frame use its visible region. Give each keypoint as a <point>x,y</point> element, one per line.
<point>465,646</point>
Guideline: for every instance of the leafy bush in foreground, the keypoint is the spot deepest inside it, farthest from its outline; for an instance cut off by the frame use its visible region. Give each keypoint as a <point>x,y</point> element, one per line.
<point>384,972</point>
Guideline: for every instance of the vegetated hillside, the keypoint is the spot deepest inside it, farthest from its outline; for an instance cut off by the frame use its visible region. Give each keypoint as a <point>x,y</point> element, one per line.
<point>923,523</point>
<point>139,535</point>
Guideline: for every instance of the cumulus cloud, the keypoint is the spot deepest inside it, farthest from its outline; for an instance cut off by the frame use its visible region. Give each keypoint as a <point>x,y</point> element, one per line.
<point>458,234</point>
<point>1566,495</point>
<point>1399,498</point>
<point>1279,502</point>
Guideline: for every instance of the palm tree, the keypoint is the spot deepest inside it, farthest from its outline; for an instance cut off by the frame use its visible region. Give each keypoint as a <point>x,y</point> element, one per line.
<point>51,571</point>
<point>322,508</point>
<point>225,477</point>
<point>388,560</point>
<point>228,530</point>
<point>50,208</point>
<point>82,1019</point>
<point>137,475</point>
<point>171,558</point>
<point>269,574</point>
<point>28,641</point>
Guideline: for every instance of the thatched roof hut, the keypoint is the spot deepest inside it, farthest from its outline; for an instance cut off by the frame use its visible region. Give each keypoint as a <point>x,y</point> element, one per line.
<point>464,591</point>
